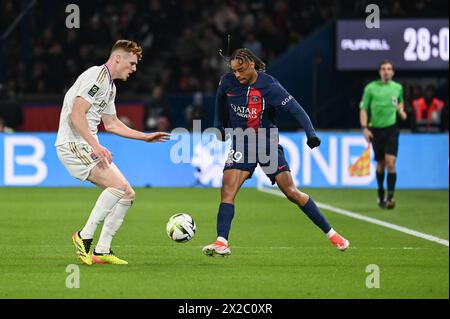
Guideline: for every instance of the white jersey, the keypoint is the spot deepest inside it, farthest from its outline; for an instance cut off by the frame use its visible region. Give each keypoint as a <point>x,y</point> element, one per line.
<point>95,86</point>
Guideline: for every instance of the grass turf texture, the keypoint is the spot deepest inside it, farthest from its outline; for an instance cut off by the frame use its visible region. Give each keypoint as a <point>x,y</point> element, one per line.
<point>276,251</point>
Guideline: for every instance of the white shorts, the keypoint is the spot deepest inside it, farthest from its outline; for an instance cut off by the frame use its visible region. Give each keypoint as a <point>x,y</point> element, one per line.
<point>77,158</point>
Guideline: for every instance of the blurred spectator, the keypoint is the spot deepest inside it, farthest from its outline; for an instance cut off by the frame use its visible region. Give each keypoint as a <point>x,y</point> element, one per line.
<point>188,46</point>
<point>126,120</point>
<point>174,35</point>
<point>163,124</point>
<point>225,19</point>
<point>414,92</point>
<point>210,43</point>
<point>253,44</point>
<point>3,127</point>
<point>157,112</point>
<point>195,111</point>
<point>428,112</point>
<point>11,114</point>
<point>247,19</point>
<point>187,81</point>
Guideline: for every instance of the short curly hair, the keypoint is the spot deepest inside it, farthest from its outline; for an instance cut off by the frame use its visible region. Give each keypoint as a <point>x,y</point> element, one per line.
<point>128,46</point>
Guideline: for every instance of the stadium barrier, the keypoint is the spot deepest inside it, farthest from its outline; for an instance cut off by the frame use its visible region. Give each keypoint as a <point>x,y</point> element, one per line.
<point>29,159</point>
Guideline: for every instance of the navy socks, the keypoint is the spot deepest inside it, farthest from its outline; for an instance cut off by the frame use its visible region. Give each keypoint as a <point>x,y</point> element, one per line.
<point>224,218</point>
<point>313,212</point>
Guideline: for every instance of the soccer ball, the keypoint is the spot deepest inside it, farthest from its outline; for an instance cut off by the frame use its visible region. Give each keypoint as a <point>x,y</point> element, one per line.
<point>181,228</point>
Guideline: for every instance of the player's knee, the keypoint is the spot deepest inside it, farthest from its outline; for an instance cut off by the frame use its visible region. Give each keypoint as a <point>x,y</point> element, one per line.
<point>127,190</point>
<point>292,193</point>
<point>227,198</point>
<point>296,196</point>
<point>129,193</point>
<point>391,166</point>
<point>303,199</point>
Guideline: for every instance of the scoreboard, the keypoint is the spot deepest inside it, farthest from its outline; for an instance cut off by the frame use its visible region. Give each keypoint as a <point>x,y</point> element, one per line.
<point>411,44</point>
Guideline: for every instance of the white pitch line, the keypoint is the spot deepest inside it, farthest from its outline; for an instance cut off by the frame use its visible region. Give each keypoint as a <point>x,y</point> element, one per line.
<point>368,219</point>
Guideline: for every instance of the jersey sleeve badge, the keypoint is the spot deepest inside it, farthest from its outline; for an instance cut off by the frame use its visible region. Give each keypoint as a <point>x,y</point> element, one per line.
<point>94,89</point>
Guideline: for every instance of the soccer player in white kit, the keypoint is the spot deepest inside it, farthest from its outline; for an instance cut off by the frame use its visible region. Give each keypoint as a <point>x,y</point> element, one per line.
<point>89,101</point>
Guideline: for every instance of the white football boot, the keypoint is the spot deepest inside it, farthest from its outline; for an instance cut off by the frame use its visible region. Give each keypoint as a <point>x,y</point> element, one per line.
<point>218,248</point>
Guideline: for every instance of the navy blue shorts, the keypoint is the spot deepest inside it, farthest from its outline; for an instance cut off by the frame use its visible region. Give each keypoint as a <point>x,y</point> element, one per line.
<point>241,162</point>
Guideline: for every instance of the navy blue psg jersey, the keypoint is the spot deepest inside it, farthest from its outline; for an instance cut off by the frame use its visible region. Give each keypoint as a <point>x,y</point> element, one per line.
<point>255,105</point>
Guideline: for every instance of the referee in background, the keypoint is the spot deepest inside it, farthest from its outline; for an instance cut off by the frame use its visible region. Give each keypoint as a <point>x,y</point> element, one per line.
<point>382,100</point>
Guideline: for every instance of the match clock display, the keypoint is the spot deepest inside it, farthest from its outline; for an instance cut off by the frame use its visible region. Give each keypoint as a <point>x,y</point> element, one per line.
<point>421,44</point>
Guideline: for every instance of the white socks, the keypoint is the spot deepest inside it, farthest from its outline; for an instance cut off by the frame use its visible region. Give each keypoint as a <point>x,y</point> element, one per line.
<point>105,202</point>
<point>223,240</point>
<point>331,233</point>
<point>112,223</point>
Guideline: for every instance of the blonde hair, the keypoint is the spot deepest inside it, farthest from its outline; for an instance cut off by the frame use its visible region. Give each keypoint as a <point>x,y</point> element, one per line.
<point>128,46</point>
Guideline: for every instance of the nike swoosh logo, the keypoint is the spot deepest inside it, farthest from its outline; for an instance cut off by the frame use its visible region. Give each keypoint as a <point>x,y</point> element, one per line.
<point>281,167</point>
<point>230,94</point>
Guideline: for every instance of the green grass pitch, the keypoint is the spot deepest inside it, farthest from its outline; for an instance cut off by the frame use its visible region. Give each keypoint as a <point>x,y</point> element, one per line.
<point>276,251</point>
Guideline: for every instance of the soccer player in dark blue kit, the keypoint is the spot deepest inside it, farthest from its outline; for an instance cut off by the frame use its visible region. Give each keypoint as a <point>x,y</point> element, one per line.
<point>247,99</point>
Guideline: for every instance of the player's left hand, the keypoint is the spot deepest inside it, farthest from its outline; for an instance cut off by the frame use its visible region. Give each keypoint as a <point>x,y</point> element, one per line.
<point>313,141</point>
<point>156,137</point>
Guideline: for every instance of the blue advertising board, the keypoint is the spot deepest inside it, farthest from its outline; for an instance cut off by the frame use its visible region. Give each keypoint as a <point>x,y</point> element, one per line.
<point>190,160</point>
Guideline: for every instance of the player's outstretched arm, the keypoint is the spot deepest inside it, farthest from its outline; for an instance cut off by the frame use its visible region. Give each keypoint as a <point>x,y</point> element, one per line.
<point>279,97</point>
<point>116,126</point>
<point>303,119</point>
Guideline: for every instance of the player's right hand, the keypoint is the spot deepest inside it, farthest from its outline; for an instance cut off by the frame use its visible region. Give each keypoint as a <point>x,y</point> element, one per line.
<point>103,154</point>
<point>313,141</point>
<point>368,135</point>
